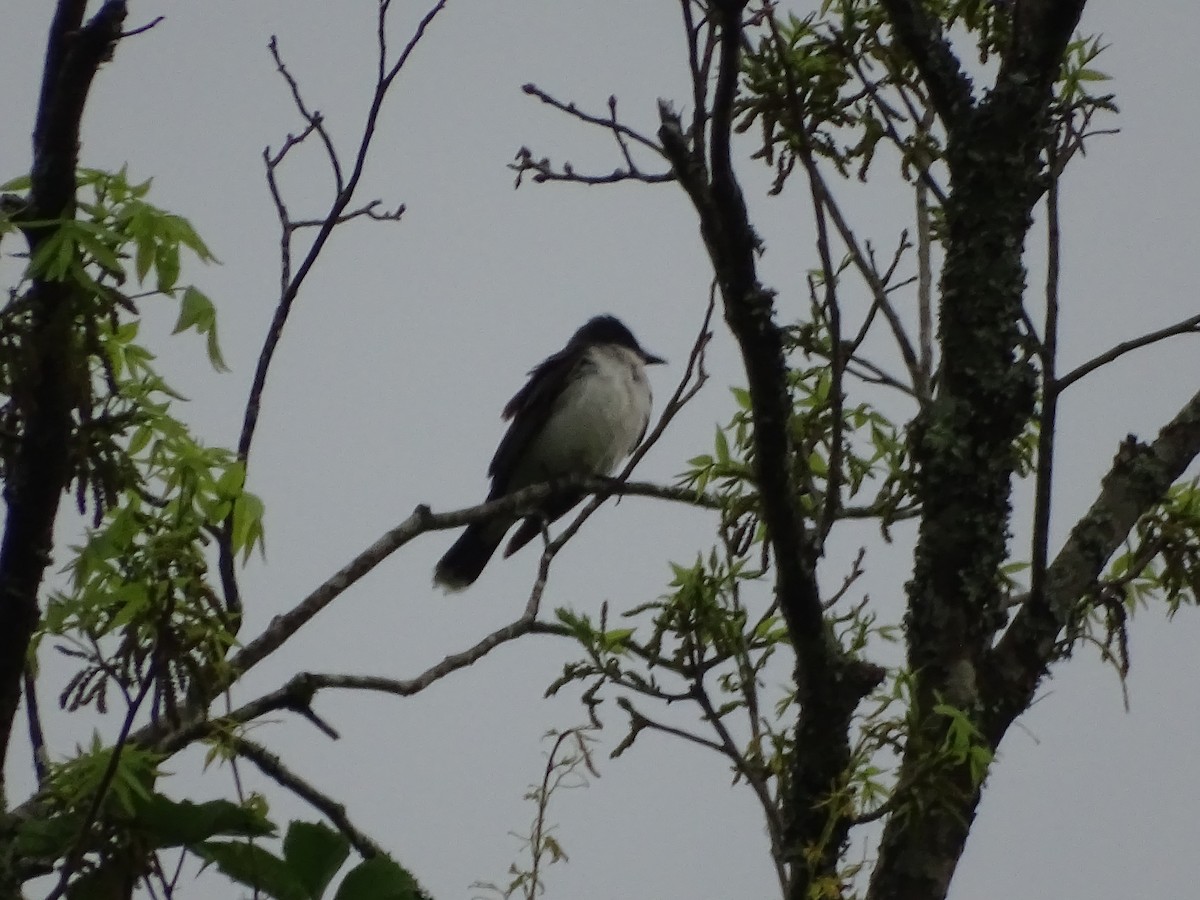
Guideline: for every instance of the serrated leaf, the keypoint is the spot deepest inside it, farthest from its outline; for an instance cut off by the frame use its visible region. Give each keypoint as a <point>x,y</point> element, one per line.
<point>178,823</point>
<point>315,852</point>
<point>46,838</point>
<point>254,867</point>
<point>379,878</point>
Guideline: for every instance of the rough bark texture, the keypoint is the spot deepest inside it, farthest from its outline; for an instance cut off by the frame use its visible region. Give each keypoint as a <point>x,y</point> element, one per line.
<point>38,469</point>
<point>964,442</point>
<point>1139,478</point>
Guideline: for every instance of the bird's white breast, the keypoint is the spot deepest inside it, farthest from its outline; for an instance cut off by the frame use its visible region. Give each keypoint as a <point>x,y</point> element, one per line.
<point>597,420</point>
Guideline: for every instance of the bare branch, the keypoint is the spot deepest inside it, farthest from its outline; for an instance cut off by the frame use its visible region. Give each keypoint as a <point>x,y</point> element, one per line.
<point>37,738</point>
<point>422,520</point>
<point>1048,417</point>
<point>1190,325</point>
<point>610,122</point>
<point>754,777</point>
<point>272,766</point>
<point>315,121</point>
<point>639,721</point>
<point>543,170</point>
<point>344,196</point>
<point>142,29</point>
<point>369,211</point>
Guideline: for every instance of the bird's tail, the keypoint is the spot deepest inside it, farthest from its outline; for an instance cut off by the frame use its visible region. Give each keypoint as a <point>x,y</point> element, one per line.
<point>463,562</point>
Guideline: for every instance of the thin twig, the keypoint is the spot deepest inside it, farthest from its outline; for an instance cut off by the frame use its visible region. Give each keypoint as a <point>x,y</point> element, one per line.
<point>639,720</point>
<point>273,767</point>
<point>610,123</point>
<point>344,196</point>
<point>315,120</point>
<point>74,856</point>
<point>1039,552</point>
<point>142,29</point>
<point>730,750</point>
<point>423,520</point>
<point>1190,325</point>
<point>37,738</point>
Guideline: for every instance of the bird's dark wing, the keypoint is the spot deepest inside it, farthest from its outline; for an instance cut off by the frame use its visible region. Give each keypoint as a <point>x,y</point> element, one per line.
<point>528,411</point>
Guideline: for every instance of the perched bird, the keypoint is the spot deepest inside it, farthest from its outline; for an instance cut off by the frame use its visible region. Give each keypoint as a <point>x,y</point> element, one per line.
<point>583,410</point>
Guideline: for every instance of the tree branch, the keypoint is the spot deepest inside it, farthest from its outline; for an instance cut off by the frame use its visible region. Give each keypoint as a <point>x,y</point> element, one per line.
<point>272,766</point>
<point>829,686</point>
<point>39,468</point>
<point>1139,478</point>
<point>920,34</point>
<point>1190,325</point>
<point>422,520</point>
<point>1040,32</point>
<point>288,297</point>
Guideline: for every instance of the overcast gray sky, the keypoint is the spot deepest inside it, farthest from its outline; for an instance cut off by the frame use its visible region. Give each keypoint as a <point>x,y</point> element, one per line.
<point>409,338</point>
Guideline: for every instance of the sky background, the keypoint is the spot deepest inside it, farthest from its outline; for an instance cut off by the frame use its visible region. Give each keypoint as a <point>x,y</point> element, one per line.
<point>408,339</point>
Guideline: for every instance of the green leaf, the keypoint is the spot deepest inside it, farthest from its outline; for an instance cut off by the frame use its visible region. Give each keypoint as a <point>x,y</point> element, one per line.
<point>254,867</point>
<point>144,257</point>
<point>46,838</point>
<point>20,183</point>
<point>195,311</point>
<point>231,480</point>
<point>214,351</point>
<point>379,878</point>
<point>177,823</point>
<point>248,525</point>
<point>315,852</point>
<point>722,447</point>
<point>187,236</point>
<point>166,263</point>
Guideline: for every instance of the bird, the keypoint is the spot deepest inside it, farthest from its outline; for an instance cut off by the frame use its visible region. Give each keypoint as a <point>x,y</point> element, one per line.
<point>582,411</point>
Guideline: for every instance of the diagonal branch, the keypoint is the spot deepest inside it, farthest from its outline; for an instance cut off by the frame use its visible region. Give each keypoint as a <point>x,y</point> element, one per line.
<point>342,200</point>
<point>1190,325</point>
<point>422,520</point>
<point>921,35</point>
<point>273,767</point>
<point>1139,478</point>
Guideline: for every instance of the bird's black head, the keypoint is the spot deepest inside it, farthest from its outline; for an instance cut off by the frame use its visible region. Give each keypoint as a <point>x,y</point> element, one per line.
<point>611,330</point>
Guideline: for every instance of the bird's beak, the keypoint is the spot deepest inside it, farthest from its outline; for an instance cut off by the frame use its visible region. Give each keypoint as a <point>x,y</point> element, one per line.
<point>651,360</point>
